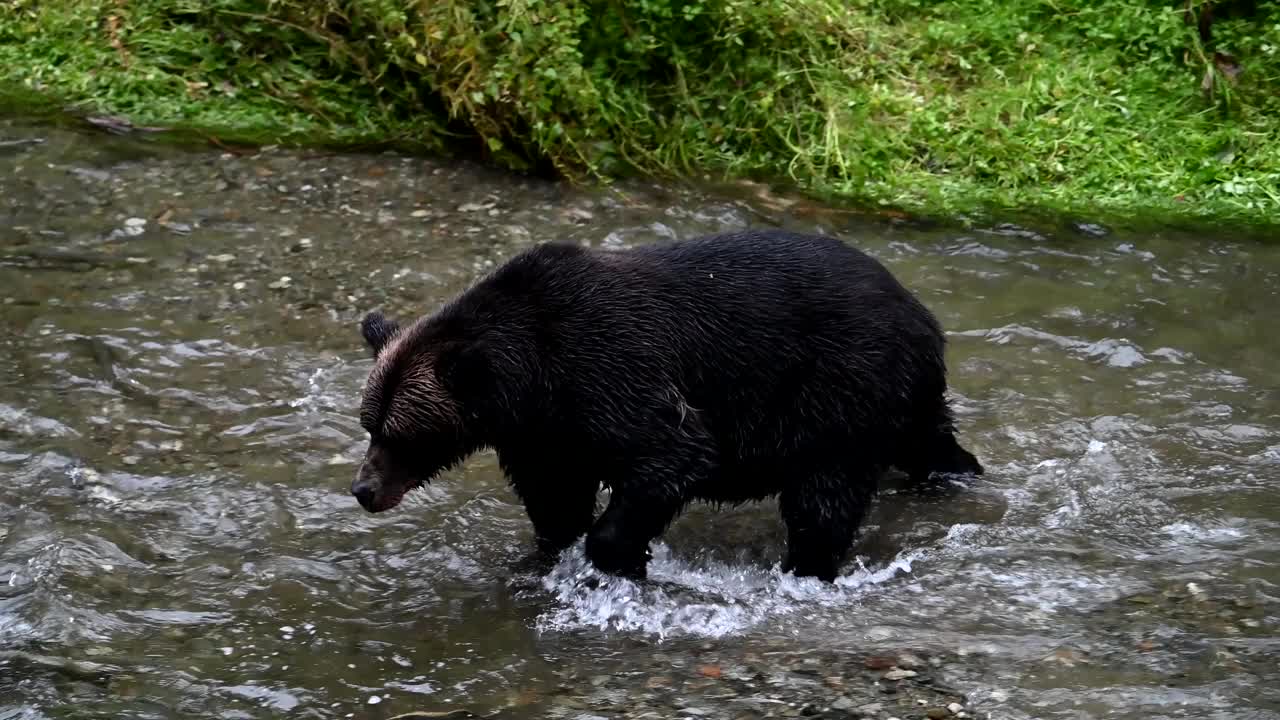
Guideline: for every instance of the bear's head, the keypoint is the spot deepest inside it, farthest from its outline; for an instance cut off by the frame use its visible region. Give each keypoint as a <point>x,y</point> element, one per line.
<point>416,426</point>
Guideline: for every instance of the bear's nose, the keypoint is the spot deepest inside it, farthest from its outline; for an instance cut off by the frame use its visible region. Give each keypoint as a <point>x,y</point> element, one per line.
<point>364,493</point>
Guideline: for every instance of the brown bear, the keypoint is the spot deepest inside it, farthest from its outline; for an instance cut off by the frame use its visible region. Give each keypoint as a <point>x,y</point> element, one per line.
<point>726,368</point>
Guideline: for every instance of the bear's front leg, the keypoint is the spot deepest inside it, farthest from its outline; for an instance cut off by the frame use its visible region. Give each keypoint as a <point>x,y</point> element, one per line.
<point>645,501</point>
<point>561,510</point>
<point>618,544</point>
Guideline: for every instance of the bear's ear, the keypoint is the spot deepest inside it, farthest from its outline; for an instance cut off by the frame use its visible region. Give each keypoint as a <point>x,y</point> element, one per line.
<point>463,367</point>
<point>377,331</point>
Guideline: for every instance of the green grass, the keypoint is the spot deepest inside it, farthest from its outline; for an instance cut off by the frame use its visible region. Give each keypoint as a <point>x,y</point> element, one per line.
<point>942,107</point>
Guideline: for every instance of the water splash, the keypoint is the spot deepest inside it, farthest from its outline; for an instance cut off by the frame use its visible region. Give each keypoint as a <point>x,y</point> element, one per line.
<point>681,597</point>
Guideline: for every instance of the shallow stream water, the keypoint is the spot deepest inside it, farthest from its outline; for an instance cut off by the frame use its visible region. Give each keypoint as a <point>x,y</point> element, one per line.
<point>180,367</point>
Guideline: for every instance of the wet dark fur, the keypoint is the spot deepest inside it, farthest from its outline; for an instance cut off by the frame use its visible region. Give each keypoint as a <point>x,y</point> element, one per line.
<point>727,368</point>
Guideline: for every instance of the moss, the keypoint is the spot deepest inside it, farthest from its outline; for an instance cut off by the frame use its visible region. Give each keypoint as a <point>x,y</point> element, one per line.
<point>1109,107</point>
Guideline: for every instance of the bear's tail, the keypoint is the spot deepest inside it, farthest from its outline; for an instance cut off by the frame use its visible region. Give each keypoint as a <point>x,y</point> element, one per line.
<point>931,449</point>
<point>946,456</point>
<point>940,459</point>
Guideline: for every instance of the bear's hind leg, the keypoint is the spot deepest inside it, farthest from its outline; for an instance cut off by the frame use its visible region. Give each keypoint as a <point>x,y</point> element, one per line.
<point>822,513</point>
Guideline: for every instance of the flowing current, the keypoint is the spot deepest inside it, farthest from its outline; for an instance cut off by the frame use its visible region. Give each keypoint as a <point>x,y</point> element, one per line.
<point>180,368</point>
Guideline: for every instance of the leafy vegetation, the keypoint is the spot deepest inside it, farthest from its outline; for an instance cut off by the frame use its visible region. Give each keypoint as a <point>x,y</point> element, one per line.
<point>1100,106</point>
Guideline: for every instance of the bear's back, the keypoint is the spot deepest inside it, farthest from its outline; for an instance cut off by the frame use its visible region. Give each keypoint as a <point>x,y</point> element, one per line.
<point>757,330</point>
<point>768,289</point>
<point>734,299</point>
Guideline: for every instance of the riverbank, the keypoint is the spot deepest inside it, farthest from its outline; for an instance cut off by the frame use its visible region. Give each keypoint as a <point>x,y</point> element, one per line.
<point>1107,109</point>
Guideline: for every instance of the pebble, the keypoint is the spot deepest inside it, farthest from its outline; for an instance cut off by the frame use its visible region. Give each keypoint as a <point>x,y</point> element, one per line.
<point>955,707</point>
<point>899,674</point>
<point>420,213</point>
<point>239,285</point>
<point>223,258</point>
<point>374,699</point>
<point>135,222</point>
<point>907,661</point>
<point>879,662</point>
<point>284,282</point>
<point>937,713</point>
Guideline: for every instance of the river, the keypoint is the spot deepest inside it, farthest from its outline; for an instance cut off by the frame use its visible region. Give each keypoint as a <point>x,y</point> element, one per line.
<point>180,368</point>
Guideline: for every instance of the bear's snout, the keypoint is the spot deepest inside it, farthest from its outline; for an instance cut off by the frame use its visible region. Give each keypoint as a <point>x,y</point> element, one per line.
<point>365,493</point>
<point>368,481</point>
<point>381,483</point>
<point>375,490</point>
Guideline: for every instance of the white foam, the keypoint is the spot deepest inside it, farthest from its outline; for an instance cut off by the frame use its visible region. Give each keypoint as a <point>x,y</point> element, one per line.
<point>1184,531</point>
<point>1114,352</point>
<point>321,394</point>
<point>683,598</point>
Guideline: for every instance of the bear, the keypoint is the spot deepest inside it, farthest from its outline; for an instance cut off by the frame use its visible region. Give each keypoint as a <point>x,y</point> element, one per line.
<point>725,368</point>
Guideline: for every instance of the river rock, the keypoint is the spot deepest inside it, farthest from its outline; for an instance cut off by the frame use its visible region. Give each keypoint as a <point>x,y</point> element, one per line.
<point>1091,229</point>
